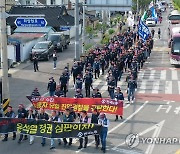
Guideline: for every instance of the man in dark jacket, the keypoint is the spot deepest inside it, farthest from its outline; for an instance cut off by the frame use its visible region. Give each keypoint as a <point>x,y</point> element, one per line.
<point>132,85</point>
<point>88,83</point>
<point>51,86</point>
<point>43,116</point>
<point>9,114</point>
<point>67,118</point>
<point>35,62</point>
<point>96,93</point>
<point>22,113</point>
<point>94,119</point>
<point>96,67</point>
<point>63,80</point>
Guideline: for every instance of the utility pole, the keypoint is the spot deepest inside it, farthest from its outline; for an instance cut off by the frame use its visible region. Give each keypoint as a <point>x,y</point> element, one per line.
<point>3,49</point>
<point>83,29</point>
<point>137,9</point>
<point>77,54</point>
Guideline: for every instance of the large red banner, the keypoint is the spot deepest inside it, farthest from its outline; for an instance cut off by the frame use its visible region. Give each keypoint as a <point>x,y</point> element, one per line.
<point>88,104</point>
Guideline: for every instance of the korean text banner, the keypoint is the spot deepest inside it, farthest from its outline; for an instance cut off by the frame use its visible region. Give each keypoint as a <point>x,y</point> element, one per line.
<point>48,129</point>
<point>88,104</point>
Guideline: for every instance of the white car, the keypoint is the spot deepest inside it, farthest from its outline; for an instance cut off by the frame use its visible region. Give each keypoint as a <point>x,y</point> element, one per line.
<point>150,22</point>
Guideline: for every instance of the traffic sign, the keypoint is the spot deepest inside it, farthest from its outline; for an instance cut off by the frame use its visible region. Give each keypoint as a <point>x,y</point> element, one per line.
<point>64,28</point>
<point>30,22</point>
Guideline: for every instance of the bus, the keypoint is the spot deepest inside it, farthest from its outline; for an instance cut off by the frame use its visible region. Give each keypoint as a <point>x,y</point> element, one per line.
<point>175,49</point>
<point>174,17</point>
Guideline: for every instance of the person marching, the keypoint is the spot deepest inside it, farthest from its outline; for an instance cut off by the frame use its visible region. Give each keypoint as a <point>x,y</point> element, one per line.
<point>63,81</point>
<point>118,96</point>
<point>31,116</point>
<point>22,113</point>
<point>43,116</point>
<point>83,119</point>
<point>94,119</point>
<point>67,118</point>
<point>96,67</point>
<point>51,86</point>
<point>88,83</point>
<point>54,59</point>
<point>9,114</point>
<point>54,118</point>
<point>104,122</point>
<point>111,86</point>
<point>132,85</point>
<point>96,93</point>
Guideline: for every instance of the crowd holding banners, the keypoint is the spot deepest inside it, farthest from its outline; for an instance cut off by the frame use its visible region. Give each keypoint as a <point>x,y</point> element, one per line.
<point>88,104</point>
<point>48,129</point>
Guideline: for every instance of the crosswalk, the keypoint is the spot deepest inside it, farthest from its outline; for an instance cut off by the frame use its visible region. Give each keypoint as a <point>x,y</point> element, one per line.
<point>159,81</point>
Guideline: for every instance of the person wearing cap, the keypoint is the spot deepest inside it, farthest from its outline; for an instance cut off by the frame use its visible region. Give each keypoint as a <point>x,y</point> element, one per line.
<point>54,118</point>
<point>9,114</point>
<point>104,122</point>
<point>31,115</point>
<point>43,116</point>
<point>63,81</point>
<point>102,63</point>
<point>67,118</point>
<point>51,86</point>
<point>94,119</point>
<point>83,119</point>
<point>96,93</point>
<point>88,83</point>
<point>118,96</point>
<point>22,113</point>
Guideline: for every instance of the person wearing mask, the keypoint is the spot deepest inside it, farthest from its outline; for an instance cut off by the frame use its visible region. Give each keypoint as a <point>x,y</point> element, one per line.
<point>67,118</point>
<point>22,113</point>
<point>43,116</point>
<point>9,114</point>
<point>54,117</point>
<point>96,93</point>
<point>31,115</point>
<point>104,122</point>
<point>132,85</point>
<point>35,62</point>
<point>94,120</point>
<point>63,81</point>
<point>118,96</point>
<point>51,86</point>
<point>54,59</point>
<point>83,119</point>
<point>88,83</point>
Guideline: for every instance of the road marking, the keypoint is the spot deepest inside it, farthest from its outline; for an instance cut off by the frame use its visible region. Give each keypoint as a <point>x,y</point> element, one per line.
<point>174,75</point>
<point>142,87</point>
<point>179,86</point>
<point>152,74</point>
<point>168,87</point>
<point>163,75</point>
<point>155,88</point>
<point>119,125</point>
<point>156,133</point>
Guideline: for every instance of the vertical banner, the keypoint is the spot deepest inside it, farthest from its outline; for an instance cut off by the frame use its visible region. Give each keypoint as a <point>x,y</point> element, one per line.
<point>5,105</point>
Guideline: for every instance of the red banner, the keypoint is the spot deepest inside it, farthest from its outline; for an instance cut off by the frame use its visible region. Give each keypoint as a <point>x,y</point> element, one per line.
<point>88,104</point>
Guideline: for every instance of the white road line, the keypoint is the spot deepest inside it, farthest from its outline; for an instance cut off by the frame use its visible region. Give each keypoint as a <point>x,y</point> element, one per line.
<point>141,75</point>
<point>179,86</point>
<point>142,87</point>
<point>152,74</point>
<point>127,105</point>
<point>163,75</point>
<point>119,125</point>
<point>174,75</point>
<point>155,88</point>
<point>168,87</point>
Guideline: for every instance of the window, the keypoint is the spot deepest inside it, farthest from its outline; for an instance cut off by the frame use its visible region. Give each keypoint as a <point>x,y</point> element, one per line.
<point>27,2</point>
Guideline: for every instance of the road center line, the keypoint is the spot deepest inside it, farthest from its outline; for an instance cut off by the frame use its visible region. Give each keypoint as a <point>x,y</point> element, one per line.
<point>119,125</point>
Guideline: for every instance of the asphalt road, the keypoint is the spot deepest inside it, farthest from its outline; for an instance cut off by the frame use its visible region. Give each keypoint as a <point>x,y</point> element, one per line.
<point>154,114</point>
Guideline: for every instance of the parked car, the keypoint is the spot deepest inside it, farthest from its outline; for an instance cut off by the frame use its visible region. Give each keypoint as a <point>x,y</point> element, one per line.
<point>150,22</point>
<point>59,40</point>
<point>44,50</point>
